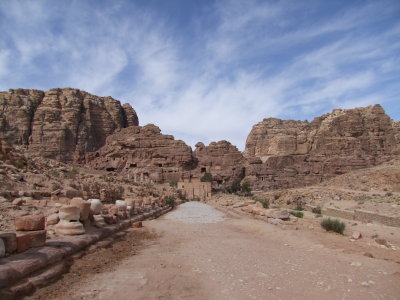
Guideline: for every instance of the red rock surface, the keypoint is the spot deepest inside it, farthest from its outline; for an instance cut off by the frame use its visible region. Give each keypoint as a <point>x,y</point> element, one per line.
<point>223,160</point>
<point>284,154</point>
<point>144,154</point>
<point>62,124</point>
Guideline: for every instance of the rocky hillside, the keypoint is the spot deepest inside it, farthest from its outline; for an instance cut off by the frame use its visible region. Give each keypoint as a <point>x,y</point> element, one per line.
<point>143,154</point>
<point>73,126</point>
<point>61,124</point>
<point>284,154</point>
<point>221,159</point>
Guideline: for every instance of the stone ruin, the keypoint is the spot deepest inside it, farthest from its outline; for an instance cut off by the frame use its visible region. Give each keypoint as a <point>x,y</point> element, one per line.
<point>75,217</point>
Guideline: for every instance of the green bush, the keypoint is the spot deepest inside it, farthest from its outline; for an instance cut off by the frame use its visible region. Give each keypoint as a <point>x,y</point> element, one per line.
<point>20,163</point>
<point>299,207</point>
<point>245,187</point>
<point>276,196</point>
<point>207,177</point>
<point>173,183</point>
<point>298,214</point>
<point>235,187</point>
<point>171,202</point>
<point>264,202</point>
<point>317,210</point>
<point>333,225</point>
<point>71,174</point>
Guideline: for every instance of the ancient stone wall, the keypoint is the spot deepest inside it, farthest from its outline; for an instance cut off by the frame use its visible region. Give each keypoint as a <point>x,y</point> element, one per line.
<point>359,215</point>
<point>195,189</point>
<point>369,217</point>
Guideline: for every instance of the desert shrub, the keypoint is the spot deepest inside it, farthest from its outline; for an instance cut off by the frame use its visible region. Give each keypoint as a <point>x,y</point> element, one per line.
<point>298,214</point>
<point>362,198</point>
<point>207,177</point>
<point>245,187</point>
<point>288,202</point>
<point>173,183</point>
<point>235,187</point>
<point>54,173</point>
<point>171,202</point>
<point>264,202</point>
<point>71,174</point>
<point>276,197</point>
<point>317,210</point>
<point>181,195</point>
<point>333,225</point>
<point>20,163</point>
<point>389,194</point>
<point>299,207</point>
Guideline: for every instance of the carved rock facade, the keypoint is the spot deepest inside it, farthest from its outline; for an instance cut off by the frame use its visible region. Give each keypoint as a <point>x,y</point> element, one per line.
<point>222,160</point>
<point>144,154</point>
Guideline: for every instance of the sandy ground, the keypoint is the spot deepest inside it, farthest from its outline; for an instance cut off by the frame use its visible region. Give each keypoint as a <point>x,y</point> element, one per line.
<point>197,252</point>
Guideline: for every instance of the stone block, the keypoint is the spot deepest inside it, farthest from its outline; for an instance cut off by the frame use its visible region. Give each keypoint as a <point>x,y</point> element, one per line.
<point>52,219</point>
<point>108,219</point>
<point>30,223</point>
<point>10,241</point>
<point>2,248</point>
<point>137,224</point>
<point>282,214</point>
<point>84,207</point>
<point>30,239</point>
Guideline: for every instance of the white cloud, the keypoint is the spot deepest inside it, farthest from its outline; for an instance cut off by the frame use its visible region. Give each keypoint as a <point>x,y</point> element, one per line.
<point>256,62</point>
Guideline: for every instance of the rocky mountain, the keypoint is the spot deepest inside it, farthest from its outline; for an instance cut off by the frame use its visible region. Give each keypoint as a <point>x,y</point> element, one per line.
<point>73,126</point>
<point>221,159</point>
<point>61,124</point>
<point>144,154</point>
<point>283,154</point>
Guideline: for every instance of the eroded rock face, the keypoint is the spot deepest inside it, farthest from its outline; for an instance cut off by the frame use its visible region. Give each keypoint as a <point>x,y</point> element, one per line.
<point>223,160</point>
<point>284,154</point>
<point>143,153</point>
<point>62,124</point>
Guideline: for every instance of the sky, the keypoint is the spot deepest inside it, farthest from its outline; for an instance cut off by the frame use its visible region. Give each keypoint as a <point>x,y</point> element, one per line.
<point>208,70</point>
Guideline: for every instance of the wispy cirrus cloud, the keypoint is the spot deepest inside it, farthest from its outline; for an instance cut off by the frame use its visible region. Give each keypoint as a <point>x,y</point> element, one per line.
<point>212,70</point>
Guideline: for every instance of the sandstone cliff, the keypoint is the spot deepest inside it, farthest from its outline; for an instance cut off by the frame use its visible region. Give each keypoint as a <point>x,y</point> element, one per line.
<point>62,124</point>
<point>284,154</point>
<point>144,154</point>
<point>223,160</point>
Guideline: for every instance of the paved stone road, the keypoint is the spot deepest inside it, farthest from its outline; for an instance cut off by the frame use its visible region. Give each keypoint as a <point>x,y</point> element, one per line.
<point>203,254</point>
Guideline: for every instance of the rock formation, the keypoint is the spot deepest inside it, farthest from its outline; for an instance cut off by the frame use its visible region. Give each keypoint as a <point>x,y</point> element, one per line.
<point>221,159</point>
<point>73,126</point>
<point>284,154</point>
<point>144,154</point>
<point>62,124</point>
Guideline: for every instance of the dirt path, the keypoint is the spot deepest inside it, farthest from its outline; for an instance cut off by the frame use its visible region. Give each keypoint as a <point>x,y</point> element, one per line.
<point>202,254</point>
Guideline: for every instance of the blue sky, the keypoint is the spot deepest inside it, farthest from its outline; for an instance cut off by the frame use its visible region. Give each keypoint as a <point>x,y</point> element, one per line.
<point>208,70</point>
